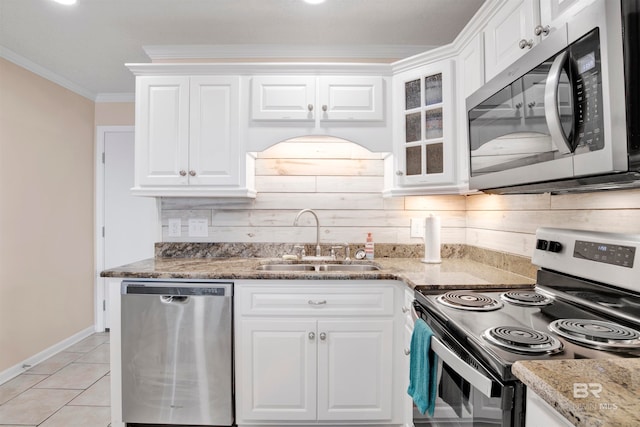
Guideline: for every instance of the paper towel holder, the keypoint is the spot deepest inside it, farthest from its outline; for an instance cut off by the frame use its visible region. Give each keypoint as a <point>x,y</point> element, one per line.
<point>431,240</point>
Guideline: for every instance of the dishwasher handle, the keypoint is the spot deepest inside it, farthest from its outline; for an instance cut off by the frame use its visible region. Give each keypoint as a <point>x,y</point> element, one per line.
<point>177,289</point>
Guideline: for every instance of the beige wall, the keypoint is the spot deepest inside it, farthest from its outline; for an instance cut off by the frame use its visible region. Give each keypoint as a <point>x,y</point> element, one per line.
<point>46,214</point>
<point>115,114</point>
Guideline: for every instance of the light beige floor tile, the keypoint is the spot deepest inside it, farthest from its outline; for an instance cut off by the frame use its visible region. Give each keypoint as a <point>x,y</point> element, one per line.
<point>75,376</point>
<point>98,355</point>
<point>98,394</point>
<point>79,416</point>
<point>34,406</point>
<point>17,385</point>
<point>88,344</point>
<point>54,363</point>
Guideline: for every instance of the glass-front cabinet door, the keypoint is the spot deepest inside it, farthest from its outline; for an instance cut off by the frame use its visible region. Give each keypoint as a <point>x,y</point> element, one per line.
<point>424,145</point>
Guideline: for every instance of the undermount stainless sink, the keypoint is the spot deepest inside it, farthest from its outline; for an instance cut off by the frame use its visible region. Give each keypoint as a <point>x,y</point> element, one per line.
<point>287,267</point>
<point>347,267</point>
<point>322,267</point>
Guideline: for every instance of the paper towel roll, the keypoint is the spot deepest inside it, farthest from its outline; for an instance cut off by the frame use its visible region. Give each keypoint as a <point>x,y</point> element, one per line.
<point>432,240</point>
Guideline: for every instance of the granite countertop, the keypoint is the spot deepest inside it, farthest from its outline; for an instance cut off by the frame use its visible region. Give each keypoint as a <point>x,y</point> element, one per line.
<point>457,273</point>
<point>618,404</point>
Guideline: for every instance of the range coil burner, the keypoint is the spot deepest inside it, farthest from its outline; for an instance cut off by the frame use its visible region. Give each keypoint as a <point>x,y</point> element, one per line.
<point>526,298</point>
<point>468,300</point>
<point>522,340</point>
<point>597,334</point>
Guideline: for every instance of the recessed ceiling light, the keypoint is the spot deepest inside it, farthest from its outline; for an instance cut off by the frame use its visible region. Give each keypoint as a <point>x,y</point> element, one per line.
<point>65,2</point>
<point>314,1</point>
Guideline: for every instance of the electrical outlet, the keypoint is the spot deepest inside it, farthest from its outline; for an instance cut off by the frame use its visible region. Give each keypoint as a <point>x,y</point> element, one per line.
<point>417,227</point>
<point>175,227</point>
<point>198,227</point>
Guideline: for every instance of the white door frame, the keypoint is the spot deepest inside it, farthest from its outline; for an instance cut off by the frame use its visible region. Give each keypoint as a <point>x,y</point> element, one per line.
<point>99,285</point>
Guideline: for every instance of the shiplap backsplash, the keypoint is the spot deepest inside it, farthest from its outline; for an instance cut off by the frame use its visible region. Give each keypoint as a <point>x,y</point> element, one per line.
<point>508,223</point>
<point>342,182</point>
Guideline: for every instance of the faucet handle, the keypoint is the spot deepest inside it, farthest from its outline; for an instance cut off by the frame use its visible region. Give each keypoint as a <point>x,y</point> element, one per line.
<point>347,249</point>
<point>333,250</point>
<point>302,251</point>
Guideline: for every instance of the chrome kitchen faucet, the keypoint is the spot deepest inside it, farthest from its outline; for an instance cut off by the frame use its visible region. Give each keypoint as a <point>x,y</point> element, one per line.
<point>295,223</point>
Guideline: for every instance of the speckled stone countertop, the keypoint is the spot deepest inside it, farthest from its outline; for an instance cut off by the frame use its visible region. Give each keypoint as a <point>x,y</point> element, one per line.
<point>456,273</point>
<point>618,404</point>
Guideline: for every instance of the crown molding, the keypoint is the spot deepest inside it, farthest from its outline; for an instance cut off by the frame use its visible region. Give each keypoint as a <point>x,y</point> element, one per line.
<point>115,97</point>
<point>271,51</point>
<point>250,68</point>
<point>29,65</point>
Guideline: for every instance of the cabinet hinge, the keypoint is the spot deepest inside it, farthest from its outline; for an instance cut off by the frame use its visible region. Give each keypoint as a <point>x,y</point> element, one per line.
<point>103,156</point>
<point>102,231</point>
<point>104,305</point>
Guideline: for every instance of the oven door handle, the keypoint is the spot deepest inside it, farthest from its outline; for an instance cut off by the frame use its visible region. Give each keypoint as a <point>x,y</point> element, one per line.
<point>468,373</point>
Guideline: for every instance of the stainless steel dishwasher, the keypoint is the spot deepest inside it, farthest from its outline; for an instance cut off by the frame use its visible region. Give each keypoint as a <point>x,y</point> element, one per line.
<point>177,365</point>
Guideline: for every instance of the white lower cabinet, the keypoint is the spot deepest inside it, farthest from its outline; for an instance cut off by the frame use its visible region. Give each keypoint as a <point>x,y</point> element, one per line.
<point>308,354</point>
<point>540,413</point>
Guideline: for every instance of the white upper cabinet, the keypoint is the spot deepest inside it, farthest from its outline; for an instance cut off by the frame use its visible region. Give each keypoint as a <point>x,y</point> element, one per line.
<point>510,34</point>
<point>554,13</point>
<point>471,66</point>
<point>351,98</point>
<point>519,25</point>
<point>337,98</point>
<point>424,160</point>
<point>162,131</point>
<point>283,98</point>
<point>187,141</point>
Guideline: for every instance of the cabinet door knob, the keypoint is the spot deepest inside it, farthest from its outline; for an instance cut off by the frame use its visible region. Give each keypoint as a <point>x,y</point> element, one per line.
<point>323,336</point>
<point>310,107</point>
<point>324,108</point>
<point>192,173</point>
<point>183,173</point>
<point>525,44</point>
<point>405,309</point>
<point>321,302</point>
<point>399,173</point>
<point>539,29</point>
<point>407,351</point>
<point>312,335</point>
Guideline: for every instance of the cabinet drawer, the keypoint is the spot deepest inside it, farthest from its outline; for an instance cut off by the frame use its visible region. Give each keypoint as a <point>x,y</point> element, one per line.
<point>314,300</point>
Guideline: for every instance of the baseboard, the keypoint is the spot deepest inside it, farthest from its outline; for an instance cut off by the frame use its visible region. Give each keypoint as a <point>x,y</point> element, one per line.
<point>23,366</point>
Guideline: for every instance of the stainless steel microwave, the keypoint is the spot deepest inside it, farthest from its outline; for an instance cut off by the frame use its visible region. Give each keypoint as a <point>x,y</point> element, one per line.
<point>565,116</point>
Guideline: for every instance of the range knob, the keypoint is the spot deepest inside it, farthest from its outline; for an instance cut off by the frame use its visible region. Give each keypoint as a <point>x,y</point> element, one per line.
<point>555,246</point>
<point>542,245</point>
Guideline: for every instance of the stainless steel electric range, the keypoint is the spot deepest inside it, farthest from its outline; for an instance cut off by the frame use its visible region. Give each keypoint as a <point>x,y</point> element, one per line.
<point>585,305</point>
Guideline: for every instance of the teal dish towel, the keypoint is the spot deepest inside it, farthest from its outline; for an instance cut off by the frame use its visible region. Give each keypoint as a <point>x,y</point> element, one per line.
<point>423,369</point>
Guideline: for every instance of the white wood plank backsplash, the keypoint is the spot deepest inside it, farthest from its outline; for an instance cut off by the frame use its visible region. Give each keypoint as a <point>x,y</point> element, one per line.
<point>508,223</point>
<point>342,182</point>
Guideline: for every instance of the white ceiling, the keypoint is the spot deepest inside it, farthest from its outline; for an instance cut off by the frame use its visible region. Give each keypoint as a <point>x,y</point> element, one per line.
<point>87,44</point>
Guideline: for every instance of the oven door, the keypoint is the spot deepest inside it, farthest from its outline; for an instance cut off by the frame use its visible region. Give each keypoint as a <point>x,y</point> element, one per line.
<point>468,393</point>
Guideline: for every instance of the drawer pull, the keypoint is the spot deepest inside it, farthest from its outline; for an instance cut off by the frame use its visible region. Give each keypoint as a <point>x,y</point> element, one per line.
<point>321,302</point>
<point>407,351</point>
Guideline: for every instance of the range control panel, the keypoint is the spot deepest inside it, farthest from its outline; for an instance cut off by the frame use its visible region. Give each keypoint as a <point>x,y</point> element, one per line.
<point>603,257</point>
<point>605,252</point>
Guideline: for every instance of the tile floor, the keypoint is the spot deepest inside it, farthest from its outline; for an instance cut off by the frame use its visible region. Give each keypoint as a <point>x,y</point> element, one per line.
<point>70,389</point>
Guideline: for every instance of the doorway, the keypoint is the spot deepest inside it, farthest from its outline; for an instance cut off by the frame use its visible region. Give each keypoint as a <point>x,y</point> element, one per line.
<point>126,226</point>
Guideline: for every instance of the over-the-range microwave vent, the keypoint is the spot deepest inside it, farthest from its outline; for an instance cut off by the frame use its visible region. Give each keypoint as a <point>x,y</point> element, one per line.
<point>620,181</point>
